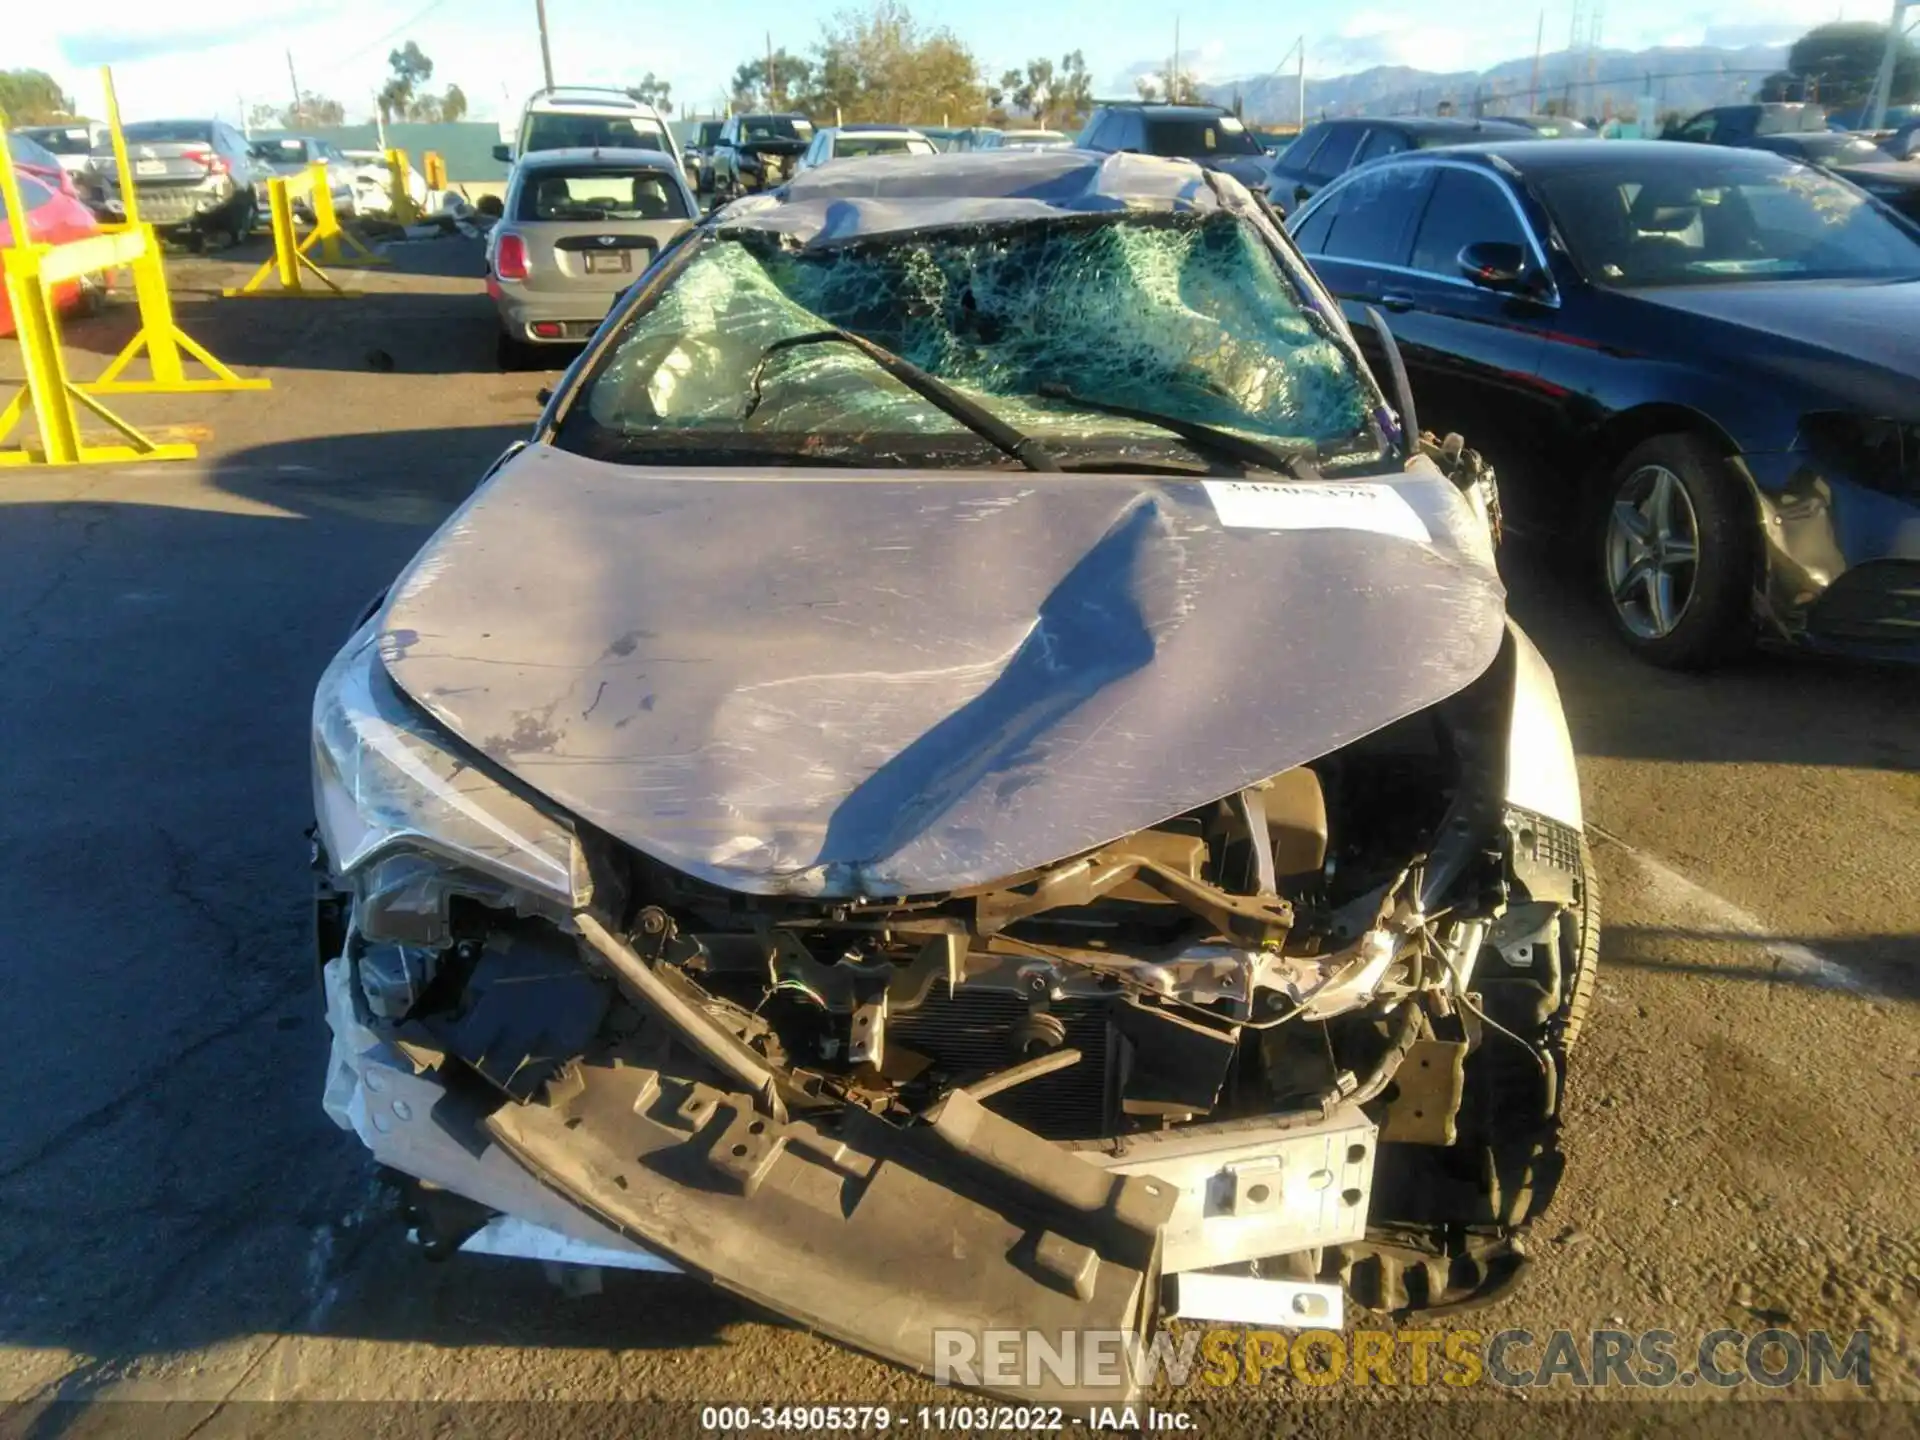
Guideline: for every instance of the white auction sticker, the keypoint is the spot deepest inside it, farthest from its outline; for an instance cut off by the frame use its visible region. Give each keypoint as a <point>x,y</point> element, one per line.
<point>1295,505</point>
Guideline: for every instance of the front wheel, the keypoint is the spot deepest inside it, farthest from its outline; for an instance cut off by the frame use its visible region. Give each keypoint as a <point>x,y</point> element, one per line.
<point>1676,554</point>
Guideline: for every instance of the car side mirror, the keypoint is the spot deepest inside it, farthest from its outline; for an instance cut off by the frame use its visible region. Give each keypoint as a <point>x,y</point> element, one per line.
<point>1495,265</point>
<point>503,153</point>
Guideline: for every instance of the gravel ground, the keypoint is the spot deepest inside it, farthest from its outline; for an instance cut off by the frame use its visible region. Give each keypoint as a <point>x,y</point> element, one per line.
<point>184,1225</point>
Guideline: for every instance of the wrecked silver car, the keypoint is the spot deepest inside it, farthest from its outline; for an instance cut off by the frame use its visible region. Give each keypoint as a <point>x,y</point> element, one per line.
<point>970,777</point>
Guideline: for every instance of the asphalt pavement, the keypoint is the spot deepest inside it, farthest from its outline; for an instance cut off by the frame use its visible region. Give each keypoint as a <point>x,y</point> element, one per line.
<point>183,1224</point>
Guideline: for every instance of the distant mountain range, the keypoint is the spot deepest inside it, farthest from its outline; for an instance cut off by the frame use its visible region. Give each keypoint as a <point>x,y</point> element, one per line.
<point>1682,78</point>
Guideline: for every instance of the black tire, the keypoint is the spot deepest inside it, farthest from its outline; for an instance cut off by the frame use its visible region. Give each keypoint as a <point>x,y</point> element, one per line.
<point>1707,616</point>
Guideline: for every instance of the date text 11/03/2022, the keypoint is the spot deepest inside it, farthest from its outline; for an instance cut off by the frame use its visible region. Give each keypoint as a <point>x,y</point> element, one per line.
<point>959,1418</point>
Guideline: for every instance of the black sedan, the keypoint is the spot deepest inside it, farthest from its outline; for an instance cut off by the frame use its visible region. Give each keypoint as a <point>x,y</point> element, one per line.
<point>1704,361</point>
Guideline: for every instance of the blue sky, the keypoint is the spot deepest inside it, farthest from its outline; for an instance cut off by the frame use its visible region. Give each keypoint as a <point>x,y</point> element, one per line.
<point>190,56</point>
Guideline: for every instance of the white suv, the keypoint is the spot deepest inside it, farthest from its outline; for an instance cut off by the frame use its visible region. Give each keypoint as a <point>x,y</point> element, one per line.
<point>585,117</point>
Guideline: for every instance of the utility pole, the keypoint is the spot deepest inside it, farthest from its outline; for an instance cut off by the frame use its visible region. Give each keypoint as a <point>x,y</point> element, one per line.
<point>546,55</point>
<point>772,104</point>
<point>293,115</point>
<point>1533,86</point>
<point>1173,66</point>
<point>1876,116</point>
<point>1303,82</point>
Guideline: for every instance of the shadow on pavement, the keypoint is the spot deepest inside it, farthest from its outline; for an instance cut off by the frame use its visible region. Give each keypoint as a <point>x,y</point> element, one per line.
<point>167,1174</point>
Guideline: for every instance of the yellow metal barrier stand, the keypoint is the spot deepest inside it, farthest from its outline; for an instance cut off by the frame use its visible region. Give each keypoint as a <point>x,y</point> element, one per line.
<point>436,169</point>
<point>328,232</point>
<point>159,336</point>
<point>129,202</point>
<point>31,272</point>
<point>289,263</point>
<point>398,171</point>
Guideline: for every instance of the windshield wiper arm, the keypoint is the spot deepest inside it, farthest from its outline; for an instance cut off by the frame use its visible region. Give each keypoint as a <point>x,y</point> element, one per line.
<point>1208,439</point>
<point>935,391</point>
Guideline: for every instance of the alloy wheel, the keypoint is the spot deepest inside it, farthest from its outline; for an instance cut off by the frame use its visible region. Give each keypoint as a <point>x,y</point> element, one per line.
<point>1653,552</point>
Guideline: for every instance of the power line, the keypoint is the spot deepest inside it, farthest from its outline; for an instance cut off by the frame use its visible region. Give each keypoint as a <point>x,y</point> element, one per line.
<point>330,66</point>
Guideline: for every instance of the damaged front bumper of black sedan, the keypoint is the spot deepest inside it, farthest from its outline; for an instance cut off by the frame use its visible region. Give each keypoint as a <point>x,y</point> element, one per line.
<point>1281,1048</point>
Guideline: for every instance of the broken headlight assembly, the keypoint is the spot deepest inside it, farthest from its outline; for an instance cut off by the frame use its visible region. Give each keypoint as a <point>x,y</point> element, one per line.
<point>1879,453</point>
<point>407,820</point>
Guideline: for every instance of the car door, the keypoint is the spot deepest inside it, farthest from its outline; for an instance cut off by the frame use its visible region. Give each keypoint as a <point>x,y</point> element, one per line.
<point>1473,352</point>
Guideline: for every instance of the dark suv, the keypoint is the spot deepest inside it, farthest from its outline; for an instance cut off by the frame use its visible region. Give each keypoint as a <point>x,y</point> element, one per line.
<point>1205,134</point>
<point>1330,148</point>
<point>756,152</point>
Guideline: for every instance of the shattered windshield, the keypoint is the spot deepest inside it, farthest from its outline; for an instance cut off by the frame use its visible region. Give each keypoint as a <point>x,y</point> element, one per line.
<point>1184,315</point>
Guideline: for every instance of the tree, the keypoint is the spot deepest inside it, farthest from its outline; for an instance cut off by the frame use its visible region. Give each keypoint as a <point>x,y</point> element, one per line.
<point>411,69</point>
<point>32,97</point>
<point>1147,88</point>
<point>262,117</point>
<point>1838,63</point>
<point>881,64</point>
<point>313,111</point>
<point>1047,93</point>
<point>453,103</point>
<point>655,92</point>
<point>771,83</point>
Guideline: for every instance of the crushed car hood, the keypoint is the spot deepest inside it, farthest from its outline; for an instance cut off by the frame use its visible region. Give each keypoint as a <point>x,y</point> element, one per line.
<point>826,682</point>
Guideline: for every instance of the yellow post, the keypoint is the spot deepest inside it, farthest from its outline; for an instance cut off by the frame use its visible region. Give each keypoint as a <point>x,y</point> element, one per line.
<point>436,170</point>
<point>128,200</point>
<point>40,348</point>
<point>286,255</point>
<point>398,187</point>
<point>289,259</point>
<point>10,192</point>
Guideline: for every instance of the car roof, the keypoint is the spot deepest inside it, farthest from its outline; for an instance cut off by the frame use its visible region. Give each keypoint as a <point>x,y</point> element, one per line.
<point>1554,157</point>
<point>1165,107</point>
<point>585,97</point>
<point>597,155</point>
<point>874,127</point>
<point>772,115</point>
<point>1438,124</point>
<point>885,194</point>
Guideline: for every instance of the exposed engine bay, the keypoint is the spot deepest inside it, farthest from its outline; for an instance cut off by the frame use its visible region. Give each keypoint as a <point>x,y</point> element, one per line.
<point>1313,1031</point>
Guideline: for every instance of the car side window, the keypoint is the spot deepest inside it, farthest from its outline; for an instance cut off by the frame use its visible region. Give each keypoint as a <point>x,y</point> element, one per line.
<point>1311,237</point>
<point>1336,155</point>
<point>1297,156</point>
<point>1699,129</point>
<point>1466,209</point>
<point>1378,212</point>
<point>1381,140</point>
<point>1132,132</point>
